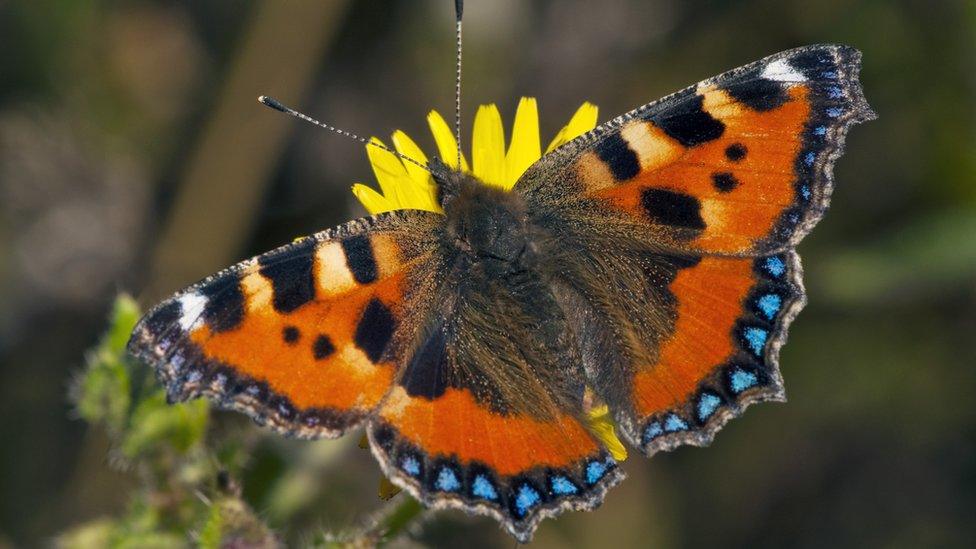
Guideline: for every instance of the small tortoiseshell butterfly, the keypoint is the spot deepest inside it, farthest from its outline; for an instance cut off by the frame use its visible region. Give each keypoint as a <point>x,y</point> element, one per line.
<point>648,265</point>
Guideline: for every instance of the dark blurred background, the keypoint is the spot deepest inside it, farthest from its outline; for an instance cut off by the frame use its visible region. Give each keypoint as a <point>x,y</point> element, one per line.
<point>133,156</point>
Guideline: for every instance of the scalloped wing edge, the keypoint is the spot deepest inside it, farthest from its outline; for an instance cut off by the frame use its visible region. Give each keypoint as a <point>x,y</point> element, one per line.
<point>522,529</point>
<point>677,426</point>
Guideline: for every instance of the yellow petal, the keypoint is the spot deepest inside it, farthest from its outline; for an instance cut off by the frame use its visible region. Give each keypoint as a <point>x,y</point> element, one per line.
<point>403,185</point>
<point>488,146</point>
<point>407,147</point>
<point>601,425</point>
<point>583,121</point>
<point>373,201</point>
<point>423,193</point>
<point>446,144</point>
<point>390,173</point>
<point>524,149</point>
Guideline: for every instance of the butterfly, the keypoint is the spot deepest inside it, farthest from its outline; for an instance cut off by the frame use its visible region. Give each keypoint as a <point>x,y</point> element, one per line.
<point>648,265</point>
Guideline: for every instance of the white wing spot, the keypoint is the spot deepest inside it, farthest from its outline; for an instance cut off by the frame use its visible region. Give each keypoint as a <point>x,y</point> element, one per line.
<point>192,305</point>
<point>781,71</point>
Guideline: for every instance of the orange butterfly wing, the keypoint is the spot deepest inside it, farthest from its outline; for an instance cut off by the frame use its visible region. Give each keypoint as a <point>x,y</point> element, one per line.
<point>739,164</point>
<point>730,320</point>
<point>305,338</point>
<point>454,451</point>
<point>702,195</point>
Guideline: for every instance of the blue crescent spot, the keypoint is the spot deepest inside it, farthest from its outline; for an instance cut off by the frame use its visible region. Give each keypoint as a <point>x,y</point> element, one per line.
<point>410,465</point>
<point>834,92</point>
<point>562,486</point>
<point>742,380</point>
<point>595,471</point>
<point>805,192</point>
<point>447,480</point>
<point>809,158</point>
<point>829,75</point>
<point>775,266</point>
<point>707,406</point>
<point>526,498</point>
<point>820,130</point>
<point>770,304</point>
<point>834,112</point>
<point>756,339</point>
<point>652,431</point>
<point>483,488</point>
<point>673,423</point>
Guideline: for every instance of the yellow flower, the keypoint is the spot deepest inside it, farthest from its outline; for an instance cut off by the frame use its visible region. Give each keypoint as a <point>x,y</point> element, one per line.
<point>601,425</point>
<point>404,186</point>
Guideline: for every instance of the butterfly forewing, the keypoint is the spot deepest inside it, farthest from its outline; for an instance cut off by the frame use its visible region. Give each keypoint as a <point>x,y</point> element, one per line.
<point>739,164</point>
<point>307,338</point>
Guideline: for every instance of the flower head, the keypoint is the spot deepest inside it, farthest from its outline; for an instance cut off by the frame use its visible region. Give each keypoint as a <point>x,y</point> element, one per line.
<point>404,185</point>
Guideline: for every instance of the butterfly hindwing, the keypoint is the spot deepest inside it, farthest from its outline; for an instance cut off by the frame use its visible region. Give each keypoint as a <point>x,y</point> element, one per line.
<point>487,415</point>
<point>739,164</point>
<point>731,318</point>
<point>677,344</point>
<point>304,337</point>
<point>454,451</point>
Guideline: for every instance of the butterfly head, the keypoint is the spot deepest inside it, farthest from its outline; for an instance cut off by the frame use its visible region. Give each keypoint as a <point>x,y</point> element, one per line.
<point>487,224</point>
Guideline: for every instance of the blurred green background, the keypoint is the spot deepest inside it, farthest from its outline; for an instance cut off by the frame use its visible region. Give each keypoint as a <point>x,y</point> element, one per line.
<point>133,156</point>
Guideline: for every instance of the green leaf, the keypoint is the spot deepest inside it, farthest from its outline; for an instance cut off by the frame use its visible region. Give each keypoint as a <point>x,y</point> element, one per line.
<point>231,523</point>
<point>212,531</point>
<point>104,392</point>
<point>125,314</point>
<point>156,424</point>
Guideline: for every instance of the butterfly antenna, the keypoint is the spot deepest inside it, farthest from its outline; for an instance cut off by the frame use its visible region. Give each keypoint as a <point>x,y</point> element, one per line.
<point>276,105</point>
<point>458,10</point>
